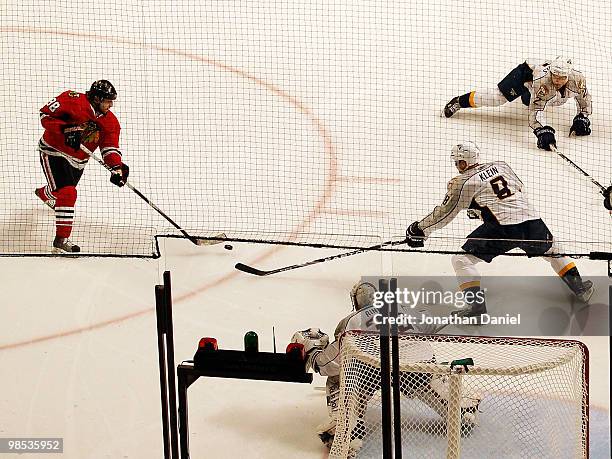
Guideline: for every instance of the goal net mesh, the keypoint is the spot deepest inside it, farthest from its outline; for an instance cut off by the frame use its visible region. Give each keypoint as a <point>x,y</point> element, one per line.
<point>524,398</point>
<point>299,122</point>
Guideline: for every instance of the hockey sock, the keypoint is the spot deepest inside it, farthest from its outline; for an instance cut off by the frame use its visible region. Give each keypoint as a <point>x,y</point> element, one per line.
<point>488,98</point>
<point>467,100</point>
<point>64,211</point>
<point>465,270</point>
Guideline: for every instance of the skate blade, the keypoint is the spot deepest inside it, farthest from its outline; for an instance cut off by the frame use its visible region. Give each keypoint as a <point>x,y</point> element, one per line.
<point>57,251</point>
<point>586,296</point>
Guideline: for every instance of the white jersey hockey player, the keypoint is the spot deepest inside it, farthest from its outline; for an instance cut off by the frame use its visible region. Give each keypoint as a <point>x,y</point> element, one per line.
<point>539,86</point>
<point>324,358</point>
<point>494,193</point>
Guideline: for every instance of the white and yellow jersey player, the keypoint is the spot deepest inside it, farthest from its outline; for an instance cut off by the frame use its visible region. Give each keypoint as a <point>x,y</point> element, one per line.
<point>539,86</point>
<point>493,192</point>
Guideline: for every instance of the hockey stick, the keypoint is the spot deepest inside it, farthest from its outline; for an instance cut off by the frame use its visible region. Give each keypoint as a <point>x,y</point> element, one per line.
<point>194,240</point>
<point>602,189</point>
<point>259,272</point>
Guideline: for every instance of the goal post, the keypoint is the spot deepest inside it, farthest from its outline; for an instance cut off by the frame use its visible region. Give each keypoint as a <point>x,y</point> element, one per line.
<point>522,397</point>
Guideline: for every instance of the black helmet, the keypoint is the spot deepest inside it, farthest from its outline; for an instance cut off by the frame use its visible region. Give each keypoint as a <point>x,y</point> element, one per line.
<point>102,89</point>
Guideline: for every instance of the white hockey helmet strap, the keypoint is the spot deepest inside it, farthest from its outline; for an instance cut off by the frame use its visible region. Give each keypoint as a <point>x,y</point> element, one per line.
<point>362,295</point>
<point>561,66</point>
<point>466,151</point>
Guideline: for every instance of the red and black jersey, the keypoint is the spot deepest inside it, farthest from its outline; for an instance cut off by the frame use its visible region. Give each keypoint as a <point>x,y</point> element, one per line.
<point>72,108</point>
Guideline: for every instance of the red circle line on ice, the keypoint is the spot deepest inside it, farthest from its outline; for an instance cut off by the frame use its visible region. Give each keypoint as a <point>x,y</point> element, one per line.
<point>330,180</point>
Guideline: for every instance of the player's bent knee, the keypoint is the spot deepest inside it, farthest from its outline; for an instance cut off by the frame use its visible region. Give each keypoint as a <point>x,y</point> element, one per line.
<point>464,265</point>
<point>463,261</point>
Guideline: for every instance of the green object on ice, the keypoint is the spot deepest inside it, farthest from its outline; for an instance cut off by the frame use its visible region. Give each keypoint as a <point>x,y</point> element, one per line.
<point>251,342</point>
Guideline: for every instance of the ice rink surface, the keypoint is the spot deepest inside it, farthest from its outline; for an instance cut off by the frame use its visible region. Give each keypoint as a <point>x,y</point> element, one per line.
<point>297,119</point>
<point>82,363</point>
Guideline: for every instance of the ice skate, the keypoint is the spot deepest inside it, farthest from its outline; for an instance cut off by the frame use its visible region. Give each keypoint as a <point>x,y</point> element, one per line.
<point>452,107</point>
<point>585,293</point>
<point>472,310</point>
<point>64,245</point>
<point>48,202</point>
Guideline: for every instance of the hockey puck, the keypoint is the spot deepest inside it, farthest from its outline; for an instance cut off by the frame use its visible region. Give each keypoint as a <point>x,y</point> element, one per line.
<point>228,247</point>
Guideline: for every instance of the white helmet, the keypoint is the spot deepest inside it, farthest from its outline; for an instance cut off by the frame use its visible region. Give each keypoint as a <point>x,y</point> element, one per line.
<point>362,295</point>
<point>466,151</point>
<point>561,66</point>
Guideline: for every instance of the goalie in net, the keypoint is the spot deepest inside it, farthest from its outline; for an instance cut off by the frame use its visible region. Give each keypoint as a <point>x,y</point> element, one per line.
<point>324,358</point>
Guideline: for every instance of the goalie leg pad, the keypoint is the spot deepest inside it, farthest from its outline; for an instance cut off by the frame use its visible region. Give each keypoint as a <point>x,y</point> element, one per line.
<point>436,396</point>
<point>326,432</point>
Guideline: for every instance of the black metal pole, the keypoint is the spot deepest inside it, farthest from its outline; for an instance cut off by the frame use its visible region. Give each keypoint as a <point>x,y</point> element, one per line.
<point>183,414</point>
<point>385,377</point>
<point>170,360</point>
<point>395,381</point>
<point>163,371</point>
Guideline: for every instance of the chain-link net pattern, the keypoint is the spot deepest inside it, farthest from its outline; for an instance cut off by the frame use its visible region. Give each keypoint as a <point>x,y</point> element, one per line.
<point>313,123</point>
<point>522,398</point>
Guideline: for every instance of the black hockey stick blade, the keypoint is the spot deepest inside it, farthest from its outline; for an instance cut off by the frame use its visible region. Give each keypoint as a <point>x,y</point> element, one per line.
<point>250,270</point>
<point>258,272</point>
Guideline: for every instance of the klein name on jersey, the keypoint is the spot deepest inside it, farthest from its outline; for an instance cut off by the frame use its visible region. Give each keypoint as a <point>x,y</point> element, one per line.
<point>488,173</point>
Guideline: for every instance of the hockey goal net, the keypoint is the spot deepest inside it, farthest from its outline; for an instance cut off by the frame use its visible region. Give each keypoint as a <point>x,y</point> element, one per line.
<point>521,398</point>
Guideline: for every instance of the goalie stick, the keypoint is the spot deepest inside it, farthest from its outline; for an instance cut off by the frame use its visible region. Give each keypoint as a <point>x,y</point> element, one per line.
<point>193,239</point>
<point>260,272</point>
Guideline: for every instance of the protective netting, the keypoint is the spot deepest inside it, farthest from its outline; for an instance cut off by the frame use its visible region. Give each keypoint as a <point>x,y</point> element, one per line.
<point>524,398</point>
<point>311,122</point>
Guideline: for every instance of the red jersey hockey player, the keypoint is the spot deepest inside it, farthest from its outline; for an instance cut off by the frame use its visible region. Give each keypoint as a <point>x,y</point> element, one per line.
<point>72,119</point>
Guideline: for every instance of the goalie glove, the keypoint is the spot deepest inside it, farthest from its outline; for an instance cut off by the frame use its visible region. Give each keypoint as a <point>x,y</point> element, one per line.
<point>415,237</point>
<point>581,125</point>
<point>474,214</point>
<point>119,174</point>
<point>314,341</point>
<point>608,198</point>
<point>74,135</point>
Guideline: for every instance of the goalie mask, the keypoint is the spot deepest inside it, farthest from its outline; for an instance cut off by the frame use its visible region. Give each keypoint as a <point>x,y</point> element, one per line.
<point>466,151</point>
<point>362,295</point>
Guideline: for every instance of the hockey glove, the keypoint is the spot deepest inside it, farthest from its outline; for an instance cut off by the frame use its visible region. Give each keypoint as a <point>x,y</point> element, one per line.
<point>119,174</point>
<point>75,135</point>
<point>314,341</point>
<point>415,237</point>
<point>546,137</point>
<point>608,198</point>
<point>581,125</point>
